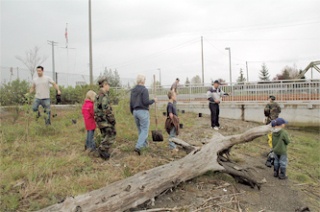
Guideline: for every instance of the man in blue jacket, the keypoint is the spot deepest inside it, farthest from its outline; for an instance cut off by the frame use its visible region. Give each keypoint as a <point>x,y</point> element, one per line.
<point>139,107</point>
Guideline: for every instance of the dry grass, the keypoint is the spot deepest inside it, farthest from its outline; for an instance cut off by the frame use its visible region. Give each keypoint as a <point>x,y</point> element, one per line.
<point>51,163</point>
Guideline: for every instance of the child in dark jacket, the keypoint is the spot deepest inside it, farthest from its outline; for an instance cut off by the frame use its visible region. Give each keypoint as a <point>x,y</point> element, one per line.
<point>88,116</point>
<point>280,140</point>
<point>172,117</point>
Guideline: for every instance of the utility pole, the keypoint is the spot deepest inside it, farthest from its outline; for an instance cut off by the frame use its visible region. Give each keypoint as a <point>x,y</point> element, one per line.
<point>56,78</point>
<point>90,45</point>
<point>230,71</point>
<point>53,44</point>
<point>18,73</point>
<point>159,75</point>
<point>11,73</point>
<point>247,71</point>
<point>202,60</point>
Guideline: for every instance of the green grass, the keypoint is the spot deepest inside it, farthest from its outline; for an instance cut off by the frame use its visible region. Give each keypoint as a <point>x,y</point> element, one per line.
<point>304,157</point>
<point>303,154</point>
<point>50,163</point>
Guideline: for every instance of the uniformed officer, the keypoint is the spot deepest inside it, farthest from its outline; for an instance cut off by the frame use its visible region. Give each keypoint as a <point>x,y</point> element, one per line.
<point>104,118</point>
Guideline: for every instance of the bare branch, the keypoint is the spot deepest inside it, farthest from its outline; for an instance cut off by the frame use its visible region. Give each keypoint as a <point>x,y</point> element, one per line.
<point>31,59</point>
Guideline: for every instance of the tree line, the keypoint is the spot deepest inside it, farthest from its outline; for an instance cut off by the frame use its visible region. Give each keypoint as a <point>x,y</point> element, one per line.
<point>31,59</point>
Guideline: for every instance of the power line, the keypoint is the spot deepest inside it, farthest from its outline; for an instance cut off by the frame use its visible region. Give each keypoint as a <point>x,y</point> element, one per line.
<point>156,54</point>
<point>283,60</point>
<point>263,39</point>
<point>260,27</point>
<point>222,52</point>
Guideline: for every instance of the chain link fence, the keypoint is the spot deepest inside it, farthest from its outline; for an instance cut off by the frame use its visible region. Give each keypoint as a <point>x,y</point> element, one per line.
<point>9,74</point>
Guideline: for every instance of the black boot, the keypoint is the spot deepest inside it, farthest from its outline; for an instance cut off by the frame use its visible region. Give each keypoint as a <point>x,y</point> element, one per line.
<point>282,175</point>
<point>276,171</point>
<point>137,151</point>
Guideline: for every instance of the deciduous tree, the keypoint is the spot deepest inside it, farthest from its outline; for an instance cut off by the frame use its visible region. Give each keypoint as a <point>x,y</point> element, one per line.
<point>288,73</point>
<point>196,80</point>
<point>32,59</point>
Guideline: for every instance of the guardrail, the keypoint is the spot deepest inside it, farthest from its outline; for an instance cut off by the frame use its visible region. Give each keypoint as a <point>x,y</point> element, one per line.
<point>300,90</point>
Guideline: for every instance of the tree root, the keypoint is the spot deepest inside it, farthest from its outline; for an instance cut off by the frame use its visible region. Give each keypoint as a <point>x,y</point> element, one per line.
<point>240,174</point>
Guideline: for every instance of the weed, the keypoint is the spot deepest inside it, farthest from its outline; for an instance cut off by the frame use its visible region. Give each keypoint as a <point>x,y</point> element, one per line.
<point>41,165</point>
<point>126,171</point>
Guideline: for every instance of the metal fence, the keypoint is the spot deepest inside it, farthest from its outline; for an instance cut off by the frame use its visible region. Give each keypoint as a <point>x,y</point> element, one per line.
<point>289,90</point>
<point>9,74</point>
<point>286,90</point>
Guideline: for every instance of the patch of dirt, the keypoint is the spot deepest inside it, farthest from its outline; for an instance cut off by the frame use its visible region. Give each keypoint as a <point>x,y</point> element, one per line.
<point>219,192</point>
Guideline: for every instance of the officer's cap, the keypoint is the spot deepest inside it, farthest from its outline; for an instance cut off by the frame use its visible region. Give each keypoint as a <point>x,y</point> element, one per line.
<point>272,97</point>
<point>103,80</point>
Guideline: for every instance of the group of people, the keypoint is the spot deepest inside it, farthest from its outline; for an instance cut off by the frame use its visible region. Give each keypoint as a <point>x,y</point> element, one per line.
<point>97,111</point>
<point>278,139</point>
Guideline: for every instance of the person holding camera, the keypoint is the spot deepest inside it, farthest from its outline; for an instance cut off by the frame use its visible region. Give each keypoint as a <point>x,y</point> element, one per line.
<point>214,95</point>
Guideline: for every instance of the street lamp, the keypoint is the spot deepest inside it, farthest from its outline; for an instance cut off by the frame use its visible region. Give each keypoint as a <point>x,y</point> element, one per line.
<point>159,75</point>
<point>230,72</point>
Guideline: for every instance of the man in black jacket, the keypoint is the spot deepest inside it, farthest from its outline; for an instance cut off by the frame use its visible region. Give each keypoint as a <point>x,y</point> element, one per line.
<point>214,95</point>
<point>139,107</point>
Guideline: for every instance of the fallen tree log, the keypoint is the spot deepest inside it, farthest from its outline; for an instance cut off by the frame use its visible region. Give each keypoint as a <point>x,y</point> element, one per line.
<point>136,190</point>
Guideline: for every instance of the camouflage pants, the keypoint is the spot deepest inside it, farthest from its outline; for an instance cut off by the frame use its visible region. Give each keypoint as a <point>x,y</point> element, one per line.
<point>271,118</point>
<point>108,135</point>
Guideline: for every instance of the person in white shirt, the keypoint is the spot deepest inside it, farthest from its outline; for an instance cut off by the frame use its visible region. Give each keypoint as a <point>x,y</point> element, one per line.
<point>41,86</point>
<point>214,95</point>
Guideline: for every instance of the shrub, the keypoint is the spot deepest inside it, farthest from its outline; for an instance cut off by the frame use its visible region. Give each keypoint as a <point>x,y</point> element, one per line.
<point>12,93</point>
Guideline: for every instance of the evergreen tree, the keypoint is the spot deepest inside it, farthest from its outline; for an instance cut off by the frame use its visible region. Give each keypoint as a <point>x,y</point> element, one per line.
<point>264,73</point>
<point>303,77</point>
<point>241,78</point>
<point>286,74</point>
<point>112,76</point>
<point>187,83</point>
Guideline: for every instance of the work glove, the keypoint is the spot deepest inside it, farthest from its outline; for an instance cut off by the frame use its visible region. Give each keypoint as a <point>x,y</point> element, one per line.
<point>58,98</point>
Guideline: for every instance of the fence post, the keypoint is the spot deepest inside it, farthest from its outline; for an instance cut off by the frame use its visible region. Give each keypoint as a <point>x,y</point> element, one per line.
<point>231,91</point>
<point>281,90</point>
<point>190,95</point>
<point>310,91</point>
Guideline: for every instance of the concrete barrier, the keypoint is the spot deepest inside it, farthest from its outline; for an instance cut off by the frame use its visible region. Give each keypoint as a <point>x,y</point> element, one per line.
<point>307,114</point>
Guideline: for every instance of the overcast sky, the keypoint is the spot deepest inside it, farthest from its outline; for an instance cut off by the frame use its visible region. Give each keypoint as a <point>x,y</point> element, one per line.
<point>141,36</point>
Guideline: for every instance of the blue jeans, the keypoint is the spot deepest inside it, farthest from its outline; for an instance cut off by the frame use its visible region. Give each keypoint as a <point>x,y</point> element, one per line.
<point>90,144</point>
<point>172,135</point>
<point>280,161</point>
<point>175,106</point>
<point>45,103</point>
<point>142,120</point>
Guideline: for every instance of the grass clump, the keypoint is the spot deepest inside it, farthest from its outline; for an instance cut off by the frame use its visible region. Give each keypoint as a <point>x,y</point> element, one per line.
<point>41,165</point>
